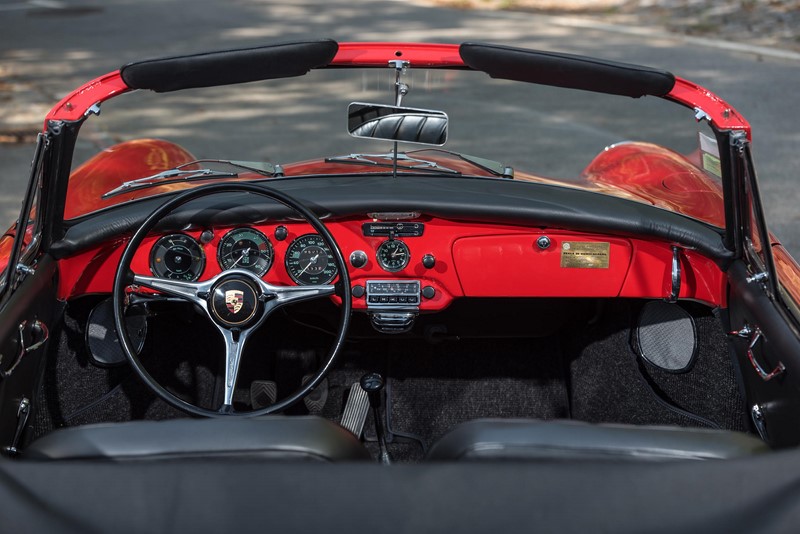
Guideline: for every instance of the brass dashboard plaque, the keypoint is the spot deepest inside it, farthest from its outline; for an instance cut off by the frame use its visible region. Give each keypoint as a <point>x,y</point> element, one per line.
<point>585,254</point>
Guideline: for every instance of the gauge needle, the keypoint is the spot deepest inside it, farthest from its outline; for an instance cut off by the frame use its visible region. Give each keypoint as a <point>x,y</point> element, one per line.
<point>397,252</point>
<point>310,263</point>
<point>245,252</point>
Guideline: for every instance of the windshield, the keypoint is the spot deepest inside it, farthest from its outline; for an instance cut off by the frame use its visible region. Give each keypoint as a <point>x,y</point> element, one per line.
<point>634,148</point>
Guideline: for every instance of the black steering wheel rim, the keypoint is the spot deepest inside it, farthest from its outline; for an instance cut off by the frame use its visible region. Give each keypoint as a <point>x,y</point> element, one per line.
<point>123,278</point>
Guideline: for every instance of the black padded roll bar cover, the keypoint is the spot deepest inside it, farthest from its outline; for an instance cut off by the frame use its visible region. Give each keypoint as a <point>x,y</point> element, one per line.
<point>566,70</point>
<point>278,60</point>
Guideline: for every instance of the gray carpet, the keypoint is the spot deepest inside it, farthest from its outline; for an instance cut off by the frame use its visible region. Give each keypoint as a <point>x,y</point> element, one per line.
<point>586,371</point>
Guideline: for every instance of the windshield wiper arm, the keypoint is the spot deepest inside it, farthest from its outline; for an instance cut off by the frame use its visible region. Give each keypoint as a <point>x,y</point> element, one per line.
<point>170,176</point>
<point>417,164</point>
<point>494,167</point>
<point>182,174</point>
<point>261,167</point>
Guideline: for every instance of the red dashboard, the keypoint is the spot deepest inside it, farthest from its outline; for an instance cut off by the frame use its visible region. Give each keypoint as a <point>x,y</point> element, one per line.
<point>461,259</point>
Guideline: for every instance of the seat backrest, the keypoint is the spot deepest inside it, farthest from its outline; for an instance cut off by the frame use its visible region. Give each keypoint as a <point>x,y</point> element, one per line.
<point>271,437</point>
<point>522,439</point>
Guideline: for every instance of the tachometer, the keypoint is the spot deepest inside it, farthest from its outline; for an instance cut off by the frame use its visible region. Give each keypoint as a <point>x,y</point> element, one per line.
<point>245,248</point>
<point>177,257</point>
<point>309,261</point>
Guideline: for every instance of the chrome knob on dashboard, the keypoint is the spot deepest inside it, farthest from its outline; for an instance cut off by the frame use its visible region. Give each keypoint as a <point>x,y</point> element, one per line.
<point>543,242</point>
<point>358,259</point>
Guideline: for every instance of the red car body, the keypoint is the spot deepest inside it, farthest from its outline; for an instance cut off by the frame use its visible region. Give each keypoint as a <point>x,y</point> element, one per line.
<point>649,173</point>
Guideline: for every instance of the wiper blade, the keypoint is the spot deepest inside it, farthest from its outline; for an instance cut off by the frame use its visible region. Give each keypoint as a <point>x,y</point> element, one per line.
<point>493,167</point>
<point>369,159</point>
<point>182,174</point>
<point>167,177</point>
<point>262,167</point>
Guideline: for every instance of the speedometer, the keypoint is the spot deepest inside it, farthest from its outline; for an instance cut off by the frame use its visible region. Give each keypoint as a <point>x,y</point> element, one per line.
<point>177,257</point>
<point>245,248</point>
<point>309,261</point>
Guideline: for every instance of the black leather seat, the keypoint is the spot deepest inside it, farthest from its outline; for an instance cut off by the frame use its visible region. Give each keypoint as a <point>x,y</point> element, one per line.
<point>273,437</point>
<point>517,439</point>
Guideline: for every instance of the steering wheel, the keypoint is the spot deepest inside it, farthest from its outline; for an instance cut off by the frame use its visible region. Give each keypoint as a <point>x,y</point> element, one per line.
<point>253,301</point>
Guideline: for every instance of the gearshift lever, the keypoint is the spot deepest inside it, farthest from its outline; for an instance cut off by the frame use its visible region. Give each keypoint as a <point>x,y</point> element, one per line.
<point>372,383</point>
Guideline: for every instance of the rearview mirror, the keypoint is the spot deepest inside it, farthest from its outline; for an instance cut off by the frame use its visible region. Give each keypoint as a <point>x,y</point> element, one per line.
<point>392,123</point>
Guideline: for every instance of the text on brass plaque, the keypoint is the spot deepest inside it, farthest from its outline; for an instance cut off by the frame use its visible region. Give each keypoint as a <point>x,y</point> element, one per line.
<point>584,254</point>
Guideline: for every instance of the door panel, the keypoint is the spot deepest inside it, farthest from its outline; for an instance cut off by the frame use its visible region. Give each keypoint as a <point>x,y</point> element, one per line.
<point>775,350</point>
<point>33,305</point>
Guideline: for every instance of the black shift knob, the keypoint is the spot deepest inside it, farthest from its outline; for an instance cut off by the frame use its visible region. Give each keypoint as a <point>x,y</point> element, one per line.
<point>372,382</point>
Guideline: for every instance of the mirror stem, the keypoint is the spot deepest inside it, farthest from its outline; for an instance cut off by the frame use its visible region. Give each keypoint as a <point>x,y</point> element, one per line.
<point>394,161</point>
<point>400,89</point>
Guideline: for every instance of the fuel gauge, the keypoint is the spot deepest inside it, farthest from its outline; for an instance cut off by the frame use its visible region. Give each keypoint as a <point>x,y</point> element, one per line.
<point>177,257</point>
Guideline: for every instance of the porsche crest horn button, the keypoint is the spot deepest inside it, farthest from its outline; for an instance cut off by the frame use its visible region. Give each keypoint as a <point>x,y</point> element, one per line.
<point>234,302</point>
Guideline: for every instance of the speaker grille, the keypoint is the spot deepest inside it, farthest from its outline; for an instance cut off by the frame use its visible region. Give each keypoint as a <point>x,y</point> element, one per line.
<point>101,334</point>
<point>667,336</point>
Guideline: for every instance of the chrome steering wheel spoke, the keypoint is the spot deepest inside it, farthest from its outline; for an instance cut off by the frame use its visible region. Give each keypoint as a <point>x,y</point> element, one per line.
<point>277,296</point>
<point>235,341</point>
<point>213,298</point>
<point>194,292</point>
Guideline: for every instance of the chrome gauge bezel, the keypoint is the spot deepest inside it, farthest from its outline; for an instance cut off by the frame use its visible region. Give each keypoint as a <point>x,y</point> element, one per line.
<point>310,274</point>
<point>386,256</point>
<point>177,244</point>
<point>265,256</point>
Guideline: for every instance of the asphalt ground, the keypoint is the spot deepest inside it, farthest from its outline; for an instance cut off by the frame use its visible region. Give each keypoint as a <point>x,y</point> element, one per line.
<point>49,47</point>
